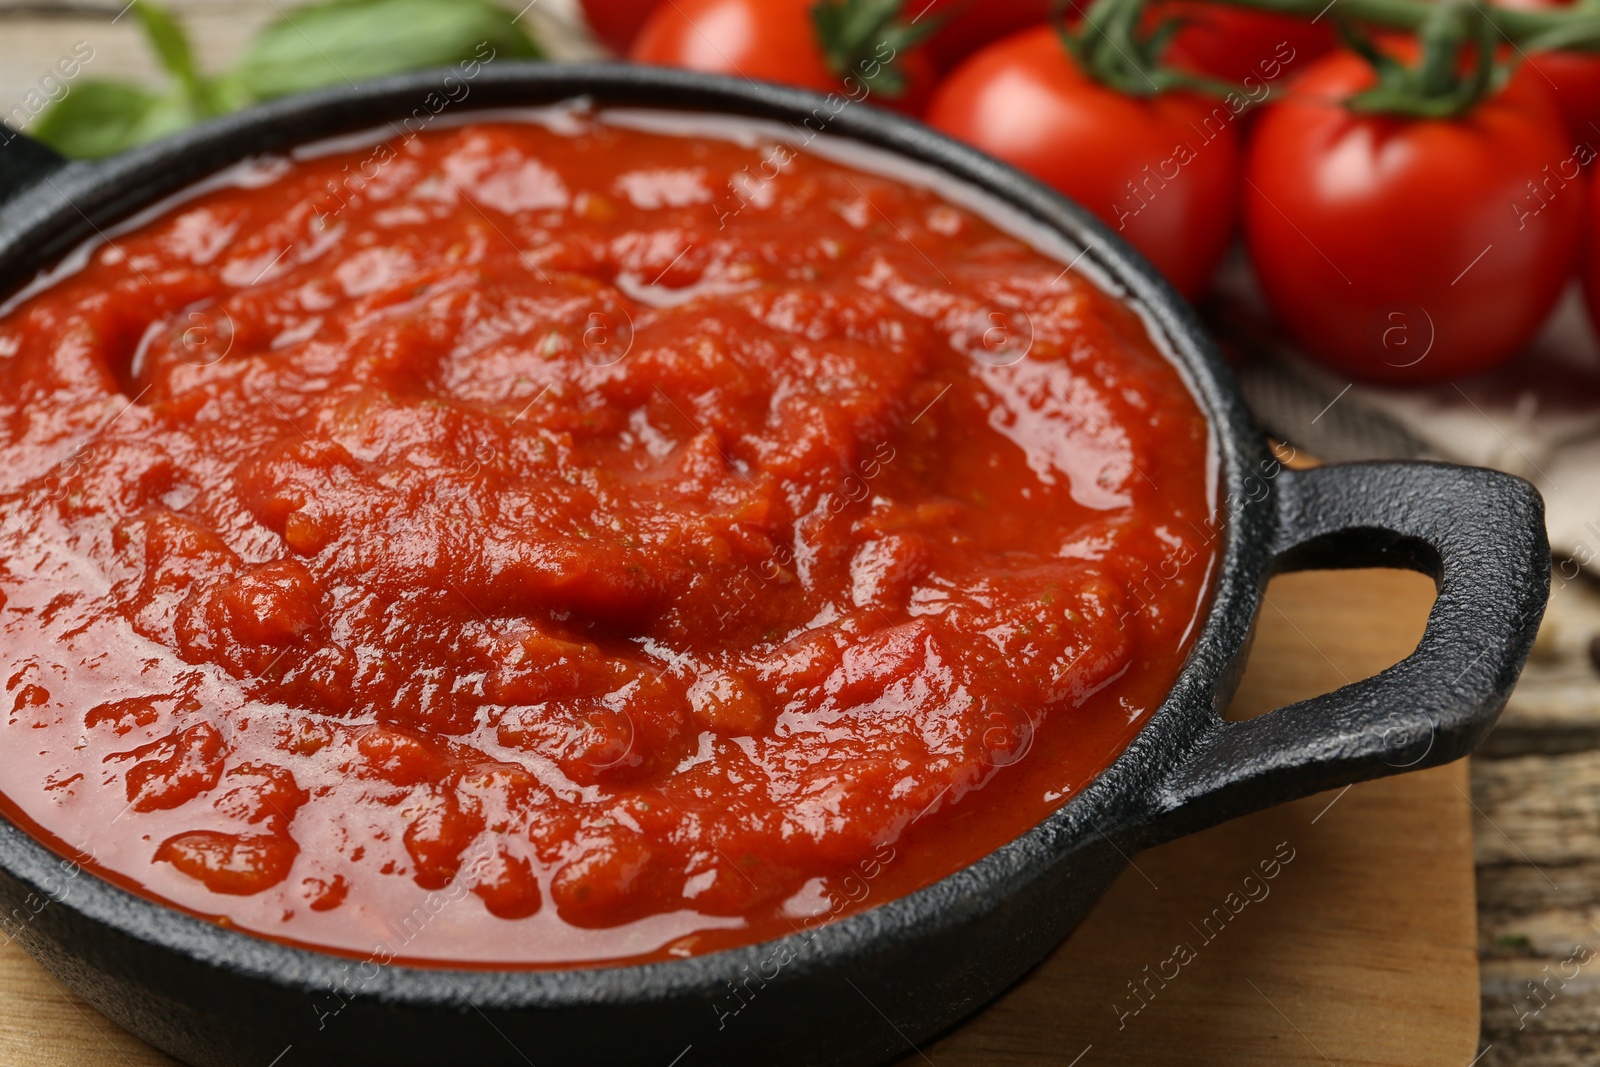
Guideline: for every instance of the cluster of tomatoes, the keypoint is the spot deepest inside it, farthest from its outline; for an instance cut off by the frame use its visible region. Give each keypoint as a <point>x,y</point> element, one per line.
<point>1392,247</point>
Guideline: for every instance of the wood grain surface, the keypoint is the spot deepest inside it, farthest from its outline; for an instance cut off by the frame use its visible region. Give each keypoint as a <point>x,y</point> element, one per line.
<point>1537,789</point>
<point>1361,948</point>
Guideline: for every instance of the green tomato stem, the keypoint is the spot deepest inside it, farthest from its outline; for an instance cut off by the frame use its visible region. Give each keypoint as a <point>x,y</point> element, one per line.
<point>1576,28</point>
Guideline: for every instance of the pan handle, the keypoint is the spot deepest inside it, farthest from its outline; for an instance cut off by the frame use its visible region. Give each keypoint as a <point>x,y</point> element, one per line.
<point>1481,535</point>
<point>24,163</point>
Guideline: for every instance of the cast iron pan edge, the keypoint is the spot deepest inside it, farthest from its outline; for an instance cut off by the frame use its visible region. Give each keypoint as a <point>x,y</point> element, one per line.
<point>863,988</point>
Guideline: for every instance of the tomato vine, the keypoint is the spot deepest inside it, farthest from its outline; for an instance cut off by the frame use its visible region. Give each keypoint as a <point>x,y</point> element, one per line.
<point>1120,46</point>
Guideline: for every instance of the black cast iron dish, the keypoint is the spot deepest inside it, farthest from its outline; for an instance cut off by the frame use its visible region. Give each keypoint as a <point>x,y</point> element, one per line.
<point>212,996</point>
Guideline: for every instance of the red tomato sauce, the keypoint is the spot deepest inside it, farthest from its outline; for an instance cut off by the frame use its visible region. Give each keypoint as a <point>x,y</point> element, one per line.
<point>540,544</point>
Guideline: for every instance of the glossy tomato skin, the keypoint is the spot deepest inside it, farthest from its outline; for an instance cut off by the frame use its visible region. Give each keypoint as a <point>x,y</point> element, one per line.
<point>765,40</point>
<point>617,22</point>
<point>1163,171</point>
<point>1572,77</point>
<point>1236,44</point>
<point>1406,250</point>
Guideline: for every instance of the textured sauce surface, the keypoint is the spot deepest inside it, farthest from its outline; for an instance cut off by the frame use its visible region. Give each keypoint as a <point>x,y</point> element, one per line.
<point>542,545</point>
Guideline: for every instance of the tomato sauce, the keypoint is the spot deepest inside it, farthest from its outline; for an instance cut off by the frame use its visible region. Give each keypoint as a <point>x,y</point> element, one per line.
<point>552,542</point>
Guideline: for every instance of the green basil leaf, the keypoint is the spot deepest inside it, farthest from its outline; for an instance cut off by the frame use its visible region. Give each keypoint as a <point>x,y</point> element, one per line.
<point>99,118</point>
<point>171,44</point>
<point>227,92</point>
<point>348,41</point>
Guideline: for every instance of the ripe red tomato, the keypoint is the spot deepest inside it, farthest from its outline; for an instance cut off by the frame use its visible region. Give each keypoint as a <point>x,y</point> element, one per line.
<point>773,40</point>
<point>1162,170</point>
<point>617,22</point>
<point>1400,249</point>
<point>1225,42</point>
<point>1573,77</point>
<point>964,26</point>
<point>1236,43</point>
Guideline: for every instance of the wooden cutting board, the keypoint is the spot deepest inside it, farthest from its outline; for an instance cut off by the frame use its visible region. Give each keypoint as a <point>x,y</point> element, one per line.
<point>1362,949</point>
